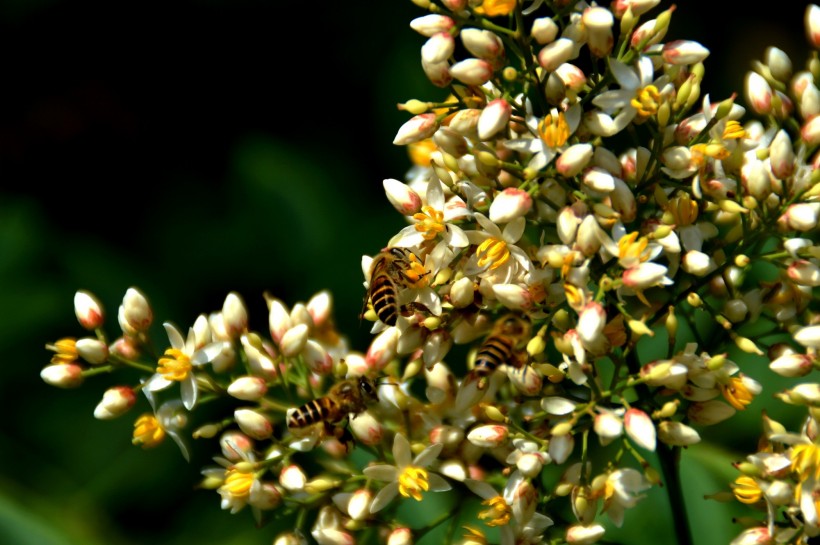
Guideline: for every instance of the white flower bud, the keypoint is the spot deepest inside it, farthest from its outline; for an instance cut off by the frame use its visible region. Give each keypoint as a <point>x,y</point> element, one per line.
<point>708,413</point>
<point>792,365</point>
<point>94,351</point>
<point>462,292</point>
<point>677,434</point>
<point>484,44</point>
<point>465,122</point>
<point>290,538</point>
<point>252,423</point>
<point>591,322</point>
<point>755,177</point>
<point>115,402</point>
<point>136,311</point>
<point>808,336</point>
<point>779,63</point>
<point>513,296</point>
<point>544,30</point>
<point>382,349</point>
<point>472,71</point>
<point>416,128</point>
<point>810,132</point>
<point>292,478</point>
<point>248,388</point>
<point>438,48</point>
<point>317,357</point>
<point>560,447</point>
<point>494,117</point>
<point>638,7</point>
<point>235,445</point>
<point>511,203</point>
<point>608,426</point>
<point>234,315</point>
<point>677,157</point>
<point>697,263</point>
<point>781,155</point>
<point>368,429</point>
<point>639,428</point>
<point>359,505</point>
<point>278,320</point>
<point>585,535</point>
<point>488,435</point>
<point>438,73</point>
<point>623,201</point>
<point>62,375</point>
<point>574,159</point>
<point>88,310</point>
<point>406,201</point>
<point>812,22</point>
<point>400,536</point>
<point>428,25</point>
<point>320,307</point>
<point>683,52</point>
<point>598,22</point>
<point>294,341</point>
<point>758,93</point>
<point>801,272</point>
<point>753,536</point>
<point>645,275</point>
<point>802,216</point>
<point>599,180</point>
<point>556,53</point>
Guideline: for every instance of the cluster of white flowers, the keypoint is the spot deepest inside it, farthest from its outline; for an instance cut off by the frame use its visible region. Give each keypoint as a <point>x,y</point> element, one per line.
<point>600,236</point>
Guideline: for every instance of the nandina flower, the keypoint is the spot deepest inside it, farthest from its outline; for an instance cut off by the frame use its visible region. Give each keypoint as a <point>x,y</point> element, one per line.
<point>547,136</point>
<point>168,419</point>
<point>408,477</point>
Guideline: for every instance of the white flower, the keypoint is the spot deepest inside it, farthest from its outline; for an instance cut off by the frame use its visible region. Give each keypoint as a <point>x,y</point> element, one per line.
<point>626,103</point>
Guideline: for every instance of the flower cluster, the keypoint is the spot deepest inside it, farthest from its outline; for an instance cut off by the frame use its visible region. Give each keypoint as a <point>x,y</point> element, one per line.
<point>608,244</point>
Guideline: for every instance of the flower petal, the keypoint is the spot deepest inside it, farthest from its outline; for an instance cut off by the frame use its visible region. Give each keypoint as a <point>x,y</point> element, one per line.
<point>384,497</point>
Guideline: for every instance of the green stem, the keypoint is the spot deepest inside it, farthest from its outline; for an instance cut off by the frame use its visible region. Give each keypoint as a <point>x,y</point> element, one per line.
<point>670,466</point>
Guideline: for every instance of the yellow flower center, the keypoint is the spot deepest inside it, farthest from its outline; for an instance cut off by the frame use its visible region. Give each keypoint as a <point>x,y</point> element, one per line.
<point>554,130</point>
<point>416,275</point>
<point>737,393</point>
<point>575,297</point>
<point>746,490</point>
<point>237,484</point>
<point>701,151</point>
<point>412,482</point>
<point>493,8</point>
<point>66,351</point>
<point>492,252</point>
<point>430,222</point>
<point>147,431</point>
<point>646,101</point>
<point>175,365</point>
<point>499,512</point>
<point>733,131</point>
<point>806,461</point>
<point>683,209</point>
<point>419,152</point>
<point>633,248</point>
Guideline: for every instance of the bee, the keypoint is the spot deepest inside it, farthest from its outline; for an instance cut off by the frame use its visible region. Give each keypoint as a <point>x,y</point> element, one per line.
<point>392,269</point>
<point>502,346</point>
<point>347,397</point>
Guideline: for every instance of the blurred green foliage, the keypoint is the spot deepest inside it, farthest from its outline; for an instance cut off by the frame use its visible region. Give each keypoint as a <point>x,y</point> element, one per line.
<point>191,149</point>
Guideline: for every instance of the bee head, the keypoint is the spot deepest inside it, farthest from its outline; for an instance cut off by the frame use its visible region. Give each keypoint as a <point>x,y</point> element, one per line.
<point>368,389</point>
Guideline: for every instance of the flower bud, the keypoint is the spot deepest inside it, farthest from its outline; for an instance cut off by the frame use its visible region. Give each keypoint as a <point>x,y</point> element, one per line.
<point>599,180</point>
<point>608,427</point>
<point>406,201</point>
<point>812,22</point>
<point>677,434</point>
<point>115,402</point>
<point>368,429</point>
<point>462,292</point>
<point>494,117</point>
<point>598,22</point>
<point>428,25</point>
<point>800,272</point>
<point>294,340</point>
<point>382,349</point>
<point>400,536</point>
<point>511,203</point>
<point>290,538</point>
<point>708,413</point>
<point>472,71</point>
<point>808,336</point>
<point>556,53</point>
<point>781,155</point>
<point>639,428</point>
<point>438,48</point>
<point>544,30</point>
<point>697,263</point>
<point>248,388</point>
<point>62,375</point>
<point>810,132</point>
<point>359,505</point>
<point>465,122</point>
<point>136,311</point>
<point>234,316</point>
<point>513,296</point>
<point>574,159</point>
<point>438,73</point>
<point>584,535</point>
<point>488,435</point>
<point>792,365</point>
<point>484,44</point>
<point>292,478</point>
<point>94,351</point>
<point>679,52</point>
<point>88,310</point>
<point>801,216</point>
<point>416,128</point>
<point>252,423</point>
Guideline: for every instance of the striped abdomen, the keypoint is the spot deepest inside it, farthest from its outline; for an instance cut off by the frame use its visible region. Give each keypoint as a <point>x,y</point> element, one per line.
<point>384,298</point>
<point>495,351</point>
<point>318,410</point>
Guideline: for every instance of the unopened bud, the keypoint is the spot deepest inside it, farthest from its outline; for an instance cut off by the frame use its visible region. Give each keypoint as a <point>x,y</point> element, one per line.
<point>88,310</point>
<point>115,402</point>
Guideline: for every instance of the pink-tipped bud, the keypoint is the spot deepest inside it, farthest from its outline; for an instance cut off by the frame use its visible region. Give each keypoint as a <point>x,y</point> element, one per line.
<point>416,128</point>
<point>754,536</point>
<point>809,102</point>
<point>465,122</point>
<point>294,340</point>
<point>801,216</point>
<point>126,347</point>
<point>810,132</point>
<point>608,426</point>
<point>248,388</point>
<point>589,236</point>
<point>573,160</point>
<point>290,538</point>
<point>645,275</point>
<point>292,478</point>
<point>623,201</point>
<point>598,22</point>
<point>639,7</point>
<point>792,365</point>
<point>317,358</point>
<point>406,201</point>
<point>802,272</point>
<point>320,307</point>
<point>94,351</point>
<point>758,93</point>
<point>513,296</point>
<point>62,375</point>
<point>494,117</point>
<point>488,435</point>
<point>556,53</point>
<point>438,73</point>
<point>484,44</point>
<point>428,25</point>
<point>136,310</point>
<point>647,34</point>
<point>755,178</point>
<point>88,310</point>
<point>472,71</point>
<point>544,30</point>
<point>266,497</point>
<point>400,536</point>
<point>252,423</point>
<point>438,48</point>
<point>234,315</point>
<point>359,505</point>
<point>278,320</point>
<point>561,447</point>
<point>367,428</point>
<point>510,204</point>
<point>116,401</point>
<point>584,535</point>
<point>683,52</point>
<point>591,322</point>
<point>640,429</point>
<point>382,349</point>
<point>781,155</point>
<point>235,445</point>
<point>812,22</point>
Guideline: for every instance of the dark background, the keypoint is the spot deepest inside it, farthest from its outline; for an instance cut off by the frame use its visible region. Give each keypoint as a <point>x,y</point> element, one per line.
<point>191,149</point>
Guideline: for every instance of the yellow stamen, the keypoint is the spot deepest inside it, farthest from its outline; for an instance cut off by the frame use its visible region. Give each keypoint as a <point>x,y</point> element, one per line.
<point>646,101</point>
<point>412,482</point>
<point>683,209</point>
<point>474,536</point>
<point>554,130</point>
<point>746,490</point>
<point>237,484</point>
<point>416,274</point>
<point>499,512</point>
<point>806,461</point>
<point>630,246</point>
<point>420,152</point>
<point>575,297</point>
<point>737,393</point>
<point>147,431</point>
<point>66,350</point>
<point>175,365</point>
<point>493,8</point>
<point>430,222</point>
<point>713,150</point>
<point>733,131</point>
<point>492,251</point>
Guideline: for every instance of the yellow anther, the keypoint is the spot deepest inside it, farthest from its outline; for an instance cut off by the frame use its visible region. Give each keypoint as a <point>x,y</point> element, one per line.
<point>683,209</point>
<point>806,461</point>
<point>493,8</point>
<point>737,393</point>
<point>630,246</point>
<point>237,484</point>
<point>65,350</point>
<point>646,101</point>
<point>416,274</point>
<point>175,365</point>
<point>420,152</point>
<point>554,130</point>
<point>746,490</point>
<point>492,252</point>
<point>499,512</point>
<point>147,431</point>
<point>412,482</point>
<point>430,222</point>
<point>733,131</point>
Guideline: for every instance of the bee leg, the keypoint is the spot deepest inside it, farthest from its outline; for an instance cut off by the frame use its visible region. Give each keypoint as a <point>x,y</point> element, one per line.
<point>410,308</point>
<point>344,436</point>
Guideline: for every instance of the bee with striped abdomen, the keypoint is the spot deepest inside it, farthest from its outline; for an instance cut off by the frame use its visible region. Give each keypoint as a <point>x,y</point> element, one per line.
<point>391,270</point>
<point>347,397</point>
<point>503,345</point>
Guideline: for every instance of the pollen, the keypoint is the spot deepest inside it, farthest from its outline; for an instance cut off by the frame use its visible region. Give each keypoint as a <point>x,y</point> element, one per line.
<point>237,484</point>
<point>412,482</point>
<point>65,350</point>
<point>147,431</point>
<point>175,365</point>
<point>806,461</point>
<point>737,393</point>
<point>633,248</point>
<point>420,152</point>
<point>554,130</point>
<point>492,252</point>
<point>499,512</point>
<point>430,222</point>
<point>416,274</point>
<point>683,209</point>
<point>647,101</point>
<point>746,490</point>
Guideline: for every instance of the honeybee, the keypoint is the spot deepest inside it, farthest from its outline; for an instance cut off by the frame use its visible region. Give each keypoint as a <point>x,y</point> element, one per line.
<point>347,397</point>
<point>391,269</point>
<point>502,346</point>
